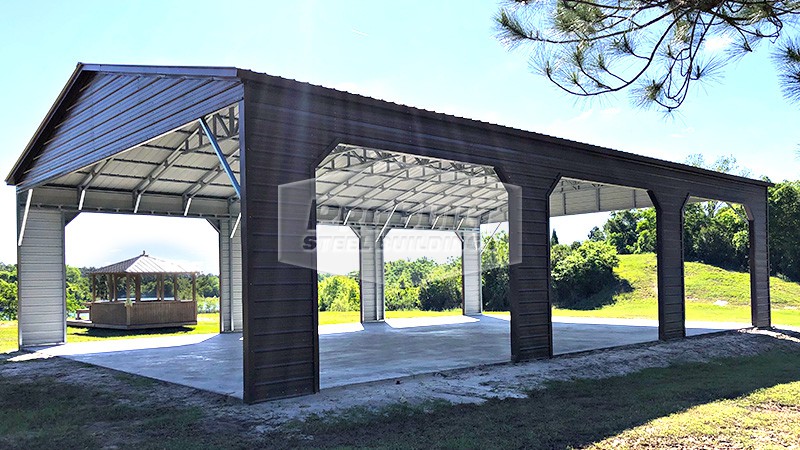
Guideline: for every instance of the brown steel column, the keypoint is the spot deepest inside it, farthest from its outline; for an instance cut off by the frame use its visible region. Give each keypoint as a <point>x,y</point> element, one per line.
<point>279,294</point>
<point>669,246</point>
<point>758,219</point>
<point>529,295</point>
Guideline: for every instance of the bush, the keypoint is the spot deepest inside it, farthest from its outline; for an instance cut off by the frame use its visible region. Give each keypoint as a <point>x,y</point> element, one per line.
<point>8,300</point>
<point>582,272</point>
<point>495,289</point>
<point>401,297</point>
<point>442,291</point>
<point>339,293</point>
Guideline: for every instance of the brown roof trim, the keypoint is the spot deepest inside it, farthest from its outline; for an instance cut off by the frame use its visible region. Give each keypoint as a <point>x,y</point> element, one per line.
<point>495,128</point>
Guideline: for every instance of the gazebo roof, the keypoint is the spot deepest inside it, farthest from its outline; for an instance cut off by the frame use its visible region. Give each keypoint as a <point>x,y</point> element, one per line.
<point>142,264</point>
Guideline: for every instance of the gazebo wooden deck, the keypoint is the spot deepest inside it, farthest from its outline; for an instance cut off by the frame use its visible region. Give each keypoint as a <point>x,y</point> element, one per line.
<point>131,310</point>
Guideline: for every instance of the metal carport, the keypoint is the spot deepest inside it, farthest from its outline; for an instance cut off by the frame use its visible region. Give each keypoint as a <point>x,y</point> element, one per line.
<point>126,139</point>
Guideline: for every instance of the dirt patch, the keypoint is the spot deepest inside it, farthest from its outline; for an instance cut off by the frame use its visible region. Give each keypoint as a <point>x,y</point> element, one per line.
<point>474,385</point>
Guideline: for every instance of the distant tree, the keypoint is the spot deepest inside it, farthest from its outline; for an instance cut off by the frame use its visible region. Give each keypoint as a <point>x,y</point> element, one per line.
<point>208,285</point>
<point>554,238</point>
<point>620,230</point>
<point>597,234</point>
<point>715,232</point>
<point>8,292</point>
<point>403,279</point>
<point>442,289</point>
<point>654,48</point>
<point>78,293</point>
<point>784,229</point>
<point>408,271</point>
<point>339,293</point>
<point>724,164</point>
<point>646,233</point>
<point>439,294</point>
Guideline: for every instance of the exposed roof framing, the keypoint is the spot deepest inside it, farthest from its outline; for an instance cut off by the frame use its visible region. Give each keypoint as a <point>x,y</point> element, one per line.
<point>353,178</point>
<point>572,196</point>
<point>374,182</point>
<point>181,163</point>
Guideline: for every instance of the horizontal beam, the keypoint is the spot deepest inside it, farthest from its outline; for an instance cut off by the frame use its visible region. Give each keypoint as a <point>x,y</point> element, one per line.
<point>116,202</point>
<point>333,215</point>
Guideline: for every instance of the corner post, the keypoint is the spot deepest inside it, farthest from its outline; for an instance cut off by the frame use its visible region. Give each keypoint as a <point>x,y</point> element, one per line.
<point>472,298</point>
<point>371,274</point>
<point>758,221</point>
<point>669,247</point>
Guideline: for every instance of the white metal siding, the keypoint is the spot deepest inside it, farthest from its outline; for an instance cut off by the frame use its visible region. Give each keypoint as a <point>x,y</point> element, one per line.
<point>371,275</point>
<point>230,276</point>
<point>42,280</point>
<point>471,272</point>
<point>592,199</point>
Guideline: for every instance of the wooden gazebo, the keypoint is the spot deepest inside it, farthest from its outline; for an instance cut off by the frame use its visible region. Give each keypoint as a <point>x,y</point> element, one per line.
<point>131,310</point>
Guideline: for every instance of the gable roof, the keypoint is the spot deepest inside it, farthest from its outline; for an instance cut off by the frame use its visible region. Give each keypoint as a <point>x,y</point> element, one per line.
<point>106,109</point>
<point>143,264</point>
<point>26,173</point>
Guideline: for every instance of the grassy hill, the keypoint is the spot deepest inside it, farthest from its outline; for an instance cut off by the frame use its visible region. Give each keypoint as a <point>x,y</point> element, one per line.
<point>712,294</point>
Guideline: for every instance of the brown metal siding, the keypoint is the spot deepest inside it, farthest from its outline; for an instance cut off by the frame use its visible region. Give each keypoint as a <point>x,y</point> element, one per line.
<point>669,256</point>
<point>759,262</point>
<point>109,113</point>
<point>280,307</point>
<point>291,125</point>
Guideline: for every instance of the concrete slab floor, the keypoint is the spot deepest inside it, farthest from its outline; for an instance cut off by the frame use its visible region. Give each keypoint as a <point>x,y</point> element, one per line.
<point>356,353</point>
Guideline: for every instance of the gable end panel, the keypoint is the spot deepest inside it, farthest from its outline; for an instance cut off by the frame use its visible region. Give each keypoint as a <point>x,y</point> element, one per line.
<point>111,113</point>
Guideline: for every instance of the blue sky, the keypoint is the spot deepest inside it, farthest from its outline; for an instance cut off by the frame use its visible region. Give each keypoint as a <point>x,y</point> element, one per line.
<point>438,55</point>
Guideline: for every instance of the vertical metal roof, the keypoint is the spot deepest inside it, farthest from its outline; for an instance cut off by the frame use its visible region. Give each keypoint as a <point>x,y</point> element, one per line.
<point>142,264</point>
<point>104,110</point>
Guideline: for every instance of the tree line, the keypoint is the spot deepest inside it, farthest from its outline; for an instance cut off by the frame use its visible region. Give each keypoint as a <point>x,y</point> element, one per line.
<point>717,233</point>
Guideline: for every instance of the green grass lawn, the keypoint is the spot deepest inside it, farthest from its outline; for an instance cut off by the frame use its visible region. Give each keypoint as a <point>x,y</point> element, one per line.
<point>206,323</point>
<point>750,401</point>
<point>742,402</point>
<point>712,294</point>
<point>8,336</point>
<point>334,317</point>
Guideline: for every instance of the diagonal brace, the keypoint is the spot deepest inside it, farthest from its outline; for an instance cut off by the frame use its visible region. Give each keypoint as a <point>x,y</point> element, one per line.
<point>222,160</point>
